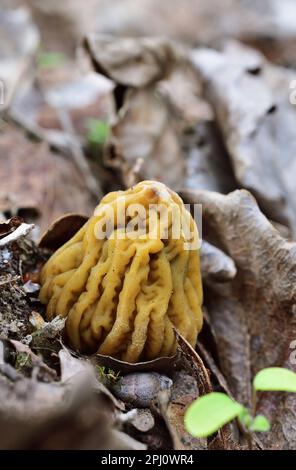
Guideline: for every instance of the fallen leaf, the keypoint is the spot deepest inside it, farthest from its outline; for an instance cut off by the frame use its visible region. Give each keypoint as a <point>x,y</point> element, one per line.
<point>144,142</point>
<point>129,62</point>
<point>253,314</point>
<point>38,183</point>
<point>57,415</point>
<point>61,230</point>
<point>257,124</point>
<point>161,364</point>
<point>195,362</point>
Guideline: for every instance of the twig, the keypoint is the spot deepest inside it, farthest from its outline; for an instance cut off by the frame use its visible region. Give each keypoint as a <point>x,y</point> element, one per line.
<point>21,231</point>
<point>9,281</point>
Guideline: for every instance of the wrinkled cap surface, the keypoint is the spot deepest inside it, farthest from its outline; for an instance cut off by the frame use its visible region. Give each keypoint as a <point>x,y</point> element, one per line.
<point>127,276</point>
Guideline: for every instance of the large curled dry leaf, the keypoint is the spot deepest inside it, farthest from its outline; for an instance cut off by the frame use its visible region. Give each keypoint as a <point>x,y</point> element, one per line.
<point>152,105</point>
<point>253,315</point>
<point>163,128</point>
<point>251,102</point>
<point>137,63</point>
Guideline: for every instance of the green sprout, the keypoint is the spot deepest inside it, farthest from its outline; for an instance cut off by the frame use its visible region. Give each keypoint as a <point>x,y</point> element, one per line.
<point>209,413</point>
<point>108,376</point>
<point>50,60</point>
<point>97,132</point>
<point>23,362</point>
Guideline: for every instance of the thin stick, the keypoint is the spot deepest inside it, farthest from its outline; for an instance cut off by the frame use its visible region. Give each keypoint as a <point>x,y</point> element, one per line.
<point>9,281</point>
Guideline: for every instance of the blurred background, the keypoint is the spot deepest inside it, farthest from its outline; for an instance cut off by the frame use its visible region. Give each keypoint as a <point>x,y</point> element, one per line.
<point>222,120</point>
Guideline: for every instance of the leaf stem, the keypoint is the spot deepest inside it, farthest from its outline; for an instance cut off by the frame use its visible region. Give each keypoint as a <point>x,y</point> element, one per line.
<point>254,401</point>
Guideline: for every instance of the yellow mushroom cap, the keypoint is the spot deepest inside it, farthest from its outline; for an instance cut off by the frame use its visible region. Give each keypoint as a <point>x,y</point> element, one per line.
<point>128,276</point>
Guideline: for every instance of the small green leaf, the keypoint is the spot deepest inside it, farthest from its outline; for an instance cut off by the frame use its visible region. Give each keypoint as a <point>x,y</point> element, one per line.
<point>209,413</point>
<point>275,379</point>
<point>260,424</point>
<point>50,60</point>
<point>98,131</point>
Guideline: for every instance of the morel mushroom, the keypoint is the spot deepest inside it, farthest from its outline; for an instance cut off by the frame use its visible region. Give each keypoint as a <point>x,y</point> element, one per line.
<point>128,276</point>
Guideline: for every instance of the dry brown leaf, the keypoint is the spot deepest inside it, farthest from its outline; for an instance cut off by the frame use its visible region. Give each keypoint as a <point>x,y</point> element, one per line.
<point>161,364</point>
<point>58,415</point>
<point>184,391</point>
<point>207,161</point>
<point>163,128</point>
<point>253,315</point>
<point>145,140</point>
<point>36,182</point>
<point>153,106</point>
<point>250,99</point>
<point>61,230</point>
<point>129,62</point>
<point>199,371</point>
<point>77,412</point>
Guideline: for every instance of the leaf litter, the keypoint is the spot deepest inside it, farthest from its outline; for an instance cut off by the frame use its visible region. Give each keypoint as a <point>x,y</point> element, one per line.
<point>184,115</point>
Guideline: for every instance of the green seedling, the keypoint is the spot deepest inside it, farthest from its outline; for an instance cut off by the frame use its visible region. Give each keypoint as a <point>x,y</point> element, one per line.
<point>209,413</point>
<point>50,60</point>
<point>97,132</point>
<point>108,376</point>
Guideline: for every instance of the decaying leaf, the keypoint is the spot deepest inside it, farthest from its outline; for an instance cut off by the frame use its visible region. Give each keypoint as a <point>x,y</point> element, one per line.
<point>145,140</point>
<point>184,391</point>
<point>59,115</point>
<point>252,315</point>
<point>250,99</point>
<point>61,230</point>
<point>163,128</point>
<point>149,93</point>
<point>129,62</point>
<point>207,162</point>
<point>58,415</point>
<point>162,364</point>
<point>34,178</point>
<point>195,363</point>
<point>267,24</point>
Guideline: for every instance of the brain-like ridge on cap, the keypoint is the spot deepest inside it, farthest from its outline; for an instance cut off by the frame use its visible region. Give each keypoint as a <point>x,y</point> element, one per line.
<point>123,295</point>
